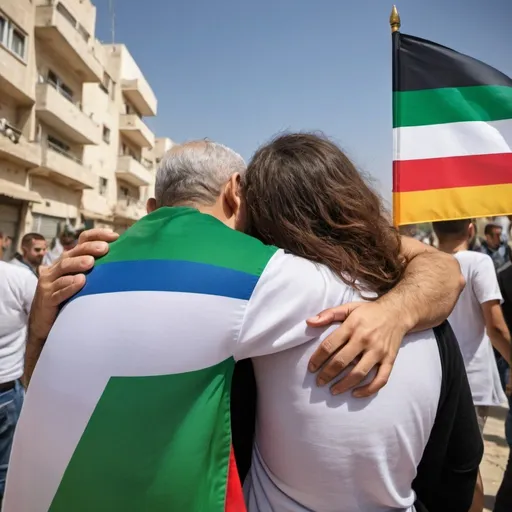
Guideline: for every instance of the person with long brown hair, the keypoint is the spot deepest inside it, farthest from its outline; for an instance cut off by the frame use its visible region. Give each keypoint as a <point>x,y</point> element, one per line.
<point>198,192</point>
<point>414,445</point>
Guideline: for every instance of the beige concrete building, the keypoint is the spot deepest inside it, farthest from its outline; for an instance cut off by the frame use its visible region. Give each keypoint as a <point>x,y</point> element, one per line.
<point>74,146</point>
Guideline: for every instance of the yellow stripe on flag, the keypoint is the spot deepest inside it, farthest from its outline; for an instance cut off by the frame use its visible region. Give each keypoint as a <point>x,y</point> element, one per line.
<point>451,204</point>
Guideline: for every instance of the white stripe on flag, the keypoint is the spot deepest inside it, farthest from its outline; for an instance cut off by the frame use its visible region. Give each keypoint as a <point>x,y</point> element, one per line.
<point>94,338</point>
<point>452,139</point>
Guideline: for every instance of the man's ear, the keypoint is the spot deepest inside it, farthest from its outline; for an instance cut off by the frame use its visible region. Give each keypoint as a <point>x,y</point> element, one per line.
<point>151,205</point>
<point>232,194</point>
<point>471,231</point>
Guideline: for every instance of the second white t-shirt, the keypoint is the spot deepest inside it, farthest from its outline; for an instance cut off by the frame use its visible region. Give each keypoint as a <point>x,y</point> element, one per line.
<point>468,323</point>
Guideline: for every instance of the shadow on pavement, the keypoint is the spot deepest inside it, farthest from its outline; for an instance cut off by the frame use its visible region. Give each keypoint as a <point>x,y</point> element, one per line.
<point>492,438</point>
<point>499,413</point>
<point>488,502</point>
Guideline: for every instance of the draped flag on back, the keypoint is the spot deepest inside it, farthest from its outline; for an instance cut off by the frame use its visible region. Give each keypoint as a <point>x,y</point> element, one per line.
<point>452,127</point>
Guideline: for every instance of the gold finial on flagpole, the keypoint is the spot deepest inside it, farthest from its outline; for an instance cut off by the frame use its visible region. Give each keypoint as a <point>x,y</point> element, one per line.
<point>394,20</point>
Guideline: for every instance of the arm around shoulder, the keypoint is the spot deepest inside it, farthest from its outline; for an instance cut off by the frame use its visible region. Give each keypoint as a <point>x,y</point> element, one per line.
<point>430,288</point>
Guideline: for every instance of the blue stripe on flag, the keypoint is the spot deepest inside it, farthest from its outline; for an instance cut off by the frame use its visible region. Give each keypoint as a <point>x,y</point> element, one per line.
<point>168,276</point>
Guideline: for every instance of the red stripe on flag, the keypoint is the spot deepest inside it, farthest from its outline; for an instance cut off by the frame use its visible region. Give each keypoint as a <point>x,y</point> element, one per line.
<point>452,172</point>
<point>234,495</point>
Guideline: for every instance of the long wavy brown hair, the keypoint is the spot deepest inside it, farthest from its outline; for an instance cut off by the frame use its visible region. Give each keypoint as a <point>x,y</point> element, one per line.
<point>304,195</point>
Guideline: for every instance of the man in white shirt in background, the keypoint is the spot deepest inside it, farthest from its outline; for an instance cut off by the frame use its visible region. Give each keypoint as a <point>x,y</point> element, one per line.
<point>478,322</point>
<point>17,287</point>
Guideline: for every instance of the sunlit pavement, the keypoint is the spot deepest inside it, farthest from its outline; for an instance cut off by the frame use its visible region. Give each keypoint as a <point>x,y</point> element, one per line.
<point>496,454</point>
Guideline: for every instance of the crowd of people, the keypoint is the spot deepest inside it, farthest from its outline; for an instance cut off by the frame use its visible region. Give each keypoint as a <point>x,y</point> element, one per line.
<point>306,357</point>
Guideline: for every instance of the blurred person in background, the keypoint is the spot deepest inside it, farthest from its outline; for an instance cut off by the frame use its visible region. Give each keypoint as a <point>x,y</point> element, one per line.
<point>478,323</point>
<point>64,242</point>
<point>33,250</point>
<point>504,222</point>
<point>504,496</point>
<point>6,245</point>
<point>494,246</point>
<point>17,288</point>
<point>500,253</point>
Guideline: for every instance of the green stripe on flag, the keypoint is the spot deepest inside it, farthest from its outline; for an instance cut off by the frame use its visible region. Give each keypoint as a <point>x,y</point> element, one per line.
<point>452,105</point>
<point>185,234</point>
<point>136,454</point>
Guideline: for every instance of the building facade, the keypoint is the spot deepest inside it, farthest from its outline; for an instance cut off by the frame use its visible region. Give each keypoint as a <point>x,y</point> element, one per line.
<point>74,146</point>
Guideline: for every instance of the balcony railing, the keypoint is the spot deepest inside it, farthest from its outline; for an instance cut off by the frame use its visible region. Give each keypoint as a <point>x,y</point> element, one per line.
<point>63,152</point>
<point>63,92</point>
<point>56,108</point>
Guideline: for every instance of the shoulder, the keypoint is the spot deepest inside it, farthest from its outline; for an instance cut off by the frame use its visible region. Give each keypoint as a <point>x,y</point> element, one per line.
<point>474,259</point>
<point>14,270</point>
<point>297,276</point>
<point>193,237</point>
<point>16,275</point>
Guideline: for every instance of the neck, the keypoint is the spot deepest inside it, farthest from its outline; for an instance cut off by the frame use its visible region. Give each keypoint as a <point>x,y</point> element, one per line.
<point>216,210</point>
<point>1,252</point>
<point>453,246</point>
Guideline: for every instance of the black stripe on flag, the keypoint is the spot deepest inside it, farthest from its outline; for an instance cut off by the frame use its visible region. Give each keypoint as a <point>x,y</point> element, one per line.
<point>422,64</point>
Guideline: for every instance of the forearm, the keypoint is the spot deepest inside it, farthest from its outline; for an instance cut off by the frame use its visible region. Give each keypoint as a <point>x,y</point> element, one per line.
<point>32,353</point>
<point>501,342</point>
<point>34,347</point>
<point>429,289</point>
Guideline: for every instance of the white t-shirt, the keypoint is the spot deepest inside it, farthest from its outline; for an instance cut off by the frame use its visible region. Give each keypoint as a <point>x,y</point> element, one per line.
<point>467,321</point>
<point>17,288</point>
<point>323,453</point>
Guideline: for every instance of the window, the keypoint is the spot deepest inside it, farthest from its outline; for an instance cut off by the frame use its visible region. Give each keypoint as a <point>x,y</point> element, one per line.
<point>18,43</point>
<point>124,191</point>
<point>57,144</point>
<point>55,80</point>
<point>106,134</point>
<point>3,26</point>
<point>12,37</point>
<point>103,186</point>
<point>107,85</point>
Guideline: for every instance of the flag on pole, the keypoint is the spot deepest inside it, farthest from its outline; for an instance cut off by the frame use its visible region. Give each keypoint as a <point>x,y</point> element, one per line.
<point>452,127</point>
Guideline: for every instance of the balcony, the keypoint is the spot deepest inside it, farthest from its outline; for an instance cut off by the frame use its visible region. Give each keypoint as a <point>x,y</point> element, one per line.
<point>65,168</point>
<point>133,128</point>
<point>139,93</point>
<point>15,148</point>
<point>129,209</point>
<point>132,171</point>
<point>72,46</point>
<point>59,112</point>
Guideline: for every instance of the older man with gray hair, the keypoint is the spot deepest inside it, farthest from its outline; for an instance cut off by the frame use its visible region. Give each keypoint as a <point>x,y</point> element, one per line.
<point>143,422</point>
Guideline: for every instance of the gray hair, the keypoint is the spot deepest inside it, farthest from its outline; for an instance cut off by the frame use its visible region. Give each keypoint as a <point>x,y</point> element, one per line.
<point>195,172</point>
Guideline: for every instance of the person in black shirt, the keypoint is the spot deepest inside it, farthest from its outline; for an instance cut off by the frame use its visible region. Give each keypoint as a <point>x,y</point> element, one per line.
<point>504,496</point>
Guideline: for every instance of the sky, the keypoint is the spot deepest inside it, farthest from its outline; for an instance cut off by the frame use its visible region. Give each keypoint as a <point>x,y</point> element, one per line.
<point>240,71</point>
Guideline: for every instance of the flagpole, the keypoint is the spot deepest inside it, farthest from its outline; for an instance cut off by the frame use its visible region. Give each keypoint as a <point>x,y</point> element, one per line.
<point>395,23</point>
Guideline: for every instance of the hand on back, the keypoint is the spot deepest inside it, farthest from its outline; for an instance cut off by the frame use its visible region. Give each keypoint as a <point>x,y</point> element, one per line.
<point>60,281</point>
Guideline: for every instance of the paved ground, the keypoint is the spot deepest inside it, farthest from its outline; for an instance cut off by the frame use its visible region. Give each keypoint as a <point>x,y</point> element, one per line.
<point>496,454</point>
